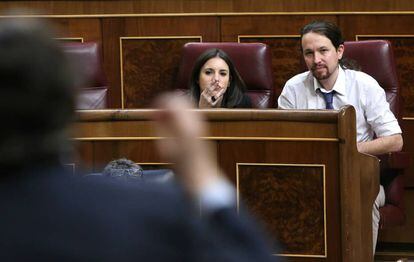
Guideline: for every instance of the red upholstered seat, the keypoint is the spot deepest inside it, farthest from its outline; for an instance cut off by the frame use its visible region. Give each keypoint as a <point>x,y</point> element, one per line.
<point>252,60</point>
<point>376,58</point>
<point>86,60</point>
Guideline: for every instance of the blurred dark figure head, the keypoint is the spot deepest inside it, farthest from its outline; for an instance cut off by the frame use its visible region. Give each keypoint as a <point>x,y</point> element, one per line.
<point>36,96</point>
<point>123,169</point>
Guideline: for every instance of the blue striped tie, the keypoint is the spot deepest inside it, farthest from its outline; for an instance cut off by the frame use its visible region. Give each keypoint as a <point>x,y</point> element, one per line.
<point>328,99</point>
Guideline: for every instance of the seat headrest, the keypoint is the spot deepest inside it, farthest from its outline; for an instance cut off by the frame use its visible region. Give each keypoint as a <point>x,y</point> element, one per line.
<point>252,60</point>
<point>86,59</point>
<point>376,59</point>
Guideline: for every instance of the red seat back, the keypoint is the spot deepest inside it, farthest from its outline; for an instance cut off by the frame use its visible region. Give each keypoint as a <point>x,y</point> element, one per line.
<point>86,61</point>
<point>252,60</point>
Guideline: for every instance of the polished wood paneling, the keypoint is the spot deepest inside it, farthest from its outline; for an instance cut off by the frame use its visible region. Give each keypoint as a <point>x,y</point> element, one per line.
<point>265,190</point>
<point>404,59</point>
<point>200,6</point>
<point>233,26</point>
<point>152,69</point>
<point>148,67</point>
<point>89,29</point>
<point>319,129</point>
<point>281,33</point>
<point>401,35</point>
<point>217,26</point>
<point>273,137</point>
<point>112,30</point>
<point>353,25</point>
<point>84,159</point>
<point>286,56</point>
<point>137,151</point>
<point>234,152</point>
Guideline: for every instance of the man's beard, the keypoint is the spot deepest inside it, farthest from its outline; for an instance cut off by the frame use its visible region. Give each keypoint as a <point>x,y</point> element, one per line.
<point>321,75</point>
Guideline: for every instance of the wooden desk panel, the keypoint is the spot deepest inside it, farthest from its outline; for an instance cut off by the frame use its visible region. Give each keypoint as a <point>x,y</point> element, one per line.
<point>297,171</point>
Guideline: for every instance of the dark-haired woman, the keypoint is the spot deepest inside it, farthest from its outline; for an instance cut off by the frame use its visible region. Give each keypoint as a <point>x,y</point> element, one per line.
<point>215,82</point>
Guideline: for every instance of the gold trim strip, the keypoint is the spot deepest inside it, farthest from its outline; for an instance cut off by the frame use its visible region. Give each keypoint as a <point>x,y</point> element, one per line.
<point>153,163</point>
<point>142,38</point>
<point>266,36</point>
<point>214,14</point>
<point>281,164</point>
<point>121,69</point>
<point>160,37</point>
<point>395,253</point>
<point>408,118</point>
<point>70,38</point>
<point>390,36</point>
<point>324,201</point>
<point>211,138</point>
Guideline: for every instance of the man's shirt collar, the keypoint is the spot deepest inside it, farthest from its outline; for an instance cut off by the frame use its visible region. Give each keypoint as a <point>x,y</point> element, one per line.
<point>339,85</point>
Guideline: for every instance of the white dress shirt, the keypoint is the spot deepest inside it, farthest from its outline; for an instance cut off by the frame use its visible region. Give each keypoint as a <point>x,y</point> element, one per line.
<point>352,87</point>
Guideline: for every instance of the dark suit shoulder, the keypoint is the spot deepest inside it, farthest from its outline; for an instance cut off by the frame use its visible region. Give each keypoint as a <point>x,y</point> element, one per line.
<point>65,218</point>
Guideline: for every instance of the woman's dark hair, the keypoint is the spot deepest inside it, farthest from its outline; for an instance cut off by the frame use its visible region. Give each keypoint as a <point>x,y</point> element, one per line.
<point>333,33</point>
<point>234,93</point>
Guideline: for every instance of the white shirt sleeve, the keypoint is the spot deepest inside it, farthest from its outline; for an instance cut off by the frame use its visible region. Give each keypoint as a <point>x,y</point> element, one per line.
<point>378,113</point>
<point>217,195</point>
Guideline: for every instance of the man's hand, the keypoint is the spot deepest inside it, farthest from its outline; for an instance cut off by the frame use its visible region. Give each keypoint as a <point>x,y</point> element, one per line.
<point>181,129</point>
